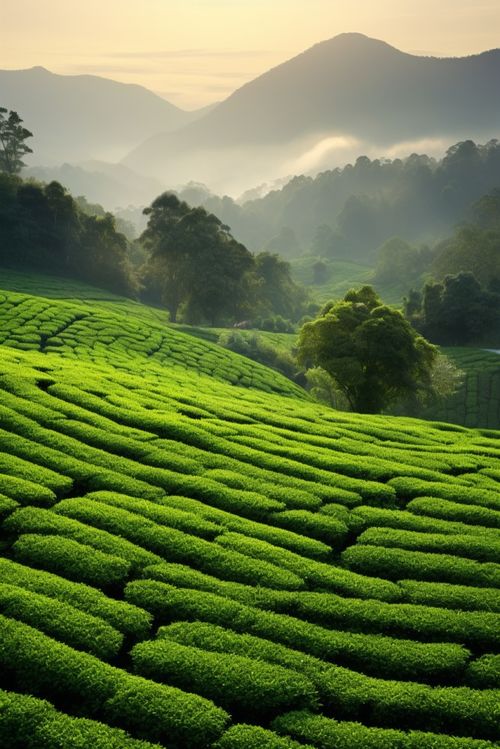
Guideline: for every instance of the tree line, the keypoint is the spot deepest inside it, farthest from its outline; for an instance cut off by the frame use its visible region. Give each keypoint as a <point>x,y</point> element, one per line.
<point>186,259</point>
<point>350,211</point>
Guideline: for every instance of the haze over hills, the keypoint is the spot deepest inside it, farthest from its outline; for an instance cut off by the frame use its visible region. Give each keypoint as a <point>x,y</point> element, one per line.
<point>342,97</point>
<point>77,118</point>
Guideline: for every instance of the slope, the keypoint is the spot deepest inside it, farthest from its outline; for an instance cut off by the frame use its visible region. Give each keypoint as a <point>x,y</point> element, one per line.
<point>200,564</point>
<point>80,117</point>
<point>330,103</point>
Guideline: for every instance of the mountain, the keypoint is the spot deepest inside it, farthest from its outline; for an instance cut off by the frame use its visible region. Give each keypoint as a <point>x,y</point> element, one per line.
<point>111,185</point>
<point>348,95</point>
<point>81,117</point>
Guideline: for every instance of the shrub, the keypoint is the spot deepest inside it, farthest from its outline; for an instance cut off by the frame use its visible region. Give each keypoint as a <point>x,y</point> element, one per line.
<point>445,510</point>
<point>399,563</point>
<point>71,559</point>
<point>243,736</point>
<point>29,723</point>
<point>177,546</point>
<point>404,520</point>
<point>408,488</point>
<point>373,654</point>
<point>35,474</point>
<point>241,685</point>
<point>124,617</point>
<point>475,629</point>
<point>445,595</point>
<point>165,714</point>
<point>182,576</point>
<point>7,506</point>
<point>26,492</point>
<point>484,673</point>
<point>159,513</point>
<point>327,529</point>
<point>41,665</point>
<point>60,620</point>
<point>36,520</point>
<point>316,574</point>
<point>330,734</point>
<point>152,711</point>
<point>287,539</point>
<point>349,694</point>
<point>473,547</point>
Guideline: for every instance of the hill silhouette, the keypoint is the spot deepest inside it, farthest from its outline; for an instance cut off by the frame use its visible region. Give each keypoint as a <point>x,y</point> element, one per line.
<point>80,117</point>
<point>336,99</point>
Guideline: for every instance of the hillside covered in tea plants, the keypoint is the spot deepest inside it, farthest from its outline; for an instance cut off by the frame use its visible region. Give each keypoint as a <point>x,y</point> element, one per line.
<point>194,555</point>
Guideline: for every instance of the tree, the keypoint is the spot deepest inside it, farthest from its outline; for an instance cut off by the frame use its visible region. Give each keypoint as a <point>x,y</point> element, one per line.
<point>275,291</point>
<point>369,349</point>
<point>457,311</point>
<point>195,260</point>
<point>12,142</point>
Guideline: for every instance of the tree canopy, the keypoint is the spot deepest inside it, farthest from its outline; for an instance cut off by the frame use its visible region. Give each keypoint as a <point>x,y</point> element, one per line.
<point>42,227</point>
<point>196,261</point>
<point>456,311</point>
<point>373,354</point>
<point>12,142</point>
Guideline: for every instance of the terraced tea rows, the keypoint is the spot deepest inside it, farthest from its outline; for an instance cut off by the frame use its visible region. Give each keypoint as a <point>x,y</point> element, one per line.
<point>477,400</point>
<point>191,563</point>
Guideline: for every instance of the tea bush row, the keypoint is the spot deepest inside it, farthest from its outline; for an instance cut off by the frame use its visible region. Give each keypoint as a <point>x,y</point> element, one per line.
<point>290,540</point>
<point>243,686</point>
<point>446,510</point>
<point>122,616</point>
<point>371,654</point>
<point>60,620</point>
<point>326,733</point>
<point>151,711</point>
<point>395,564</point>
<point>478,630</point>
<point>484,673</point>
<point>177,546</point>
<point>71,559</point>
<point>469,546</point>
<point>316,574</point>
<point>349,694</point>
<point>162,514</point>
<point>409,488</point>
<point>404,520</point>
<point>30,723</point>
<point>39,521</point>
<point>448,596</point>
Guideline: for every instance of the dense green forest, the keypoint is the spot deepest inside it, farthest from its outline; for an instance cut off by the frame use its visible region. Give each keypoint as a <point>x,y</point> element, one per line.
<point>350,211</point>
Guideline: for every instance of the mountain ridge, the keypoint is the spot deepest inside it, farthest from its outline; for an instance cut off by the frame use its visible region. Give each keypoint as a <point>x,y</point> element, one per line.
<point>353,88</point>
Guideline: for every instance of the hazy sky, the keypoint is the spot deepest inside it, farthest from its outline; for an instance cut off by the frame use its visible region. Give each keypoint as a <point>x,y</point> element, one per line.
<point>194,52</point>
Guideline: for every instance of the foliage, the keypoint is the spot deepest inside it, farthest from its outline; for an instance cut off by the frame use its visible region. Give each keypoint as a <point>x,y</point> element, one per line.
<point>239,684</point>
<point>257,348</point>
<point>195,259</point>
<point>456,311</point>
<point>371,352</point>
<point>276,292</point>
<point>227,506</point>
<point>349,212</point>
<point>42,227</point>
<point>12,142</point>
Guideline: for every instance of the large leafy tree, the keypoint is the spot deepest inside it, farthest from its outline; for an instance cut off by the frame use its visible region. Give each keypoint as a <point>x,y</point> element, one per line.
<point>13,145</point>
<point>372,353</point>
<point>194,260</point>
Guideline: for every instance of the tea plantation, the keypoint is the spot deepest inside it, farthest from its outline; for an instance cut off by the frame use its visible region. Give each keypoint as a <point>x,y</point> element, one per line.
<point>196,556</point>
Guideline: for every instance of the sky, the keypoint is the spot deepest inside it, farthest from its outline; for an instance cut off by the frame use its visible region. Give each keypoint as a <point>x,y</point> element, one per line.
<point>196,52</point>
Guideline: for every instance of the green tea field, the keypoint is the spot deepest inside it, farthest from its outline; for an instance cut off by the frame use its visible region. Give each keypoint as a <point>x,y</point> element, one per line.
<point>194,555</point>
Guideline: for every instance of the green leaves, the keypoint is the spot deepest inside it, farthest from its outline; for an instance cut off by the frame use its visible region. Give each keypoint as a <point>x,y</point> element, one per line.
<point>12,145</point>
<point>369,349</point>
